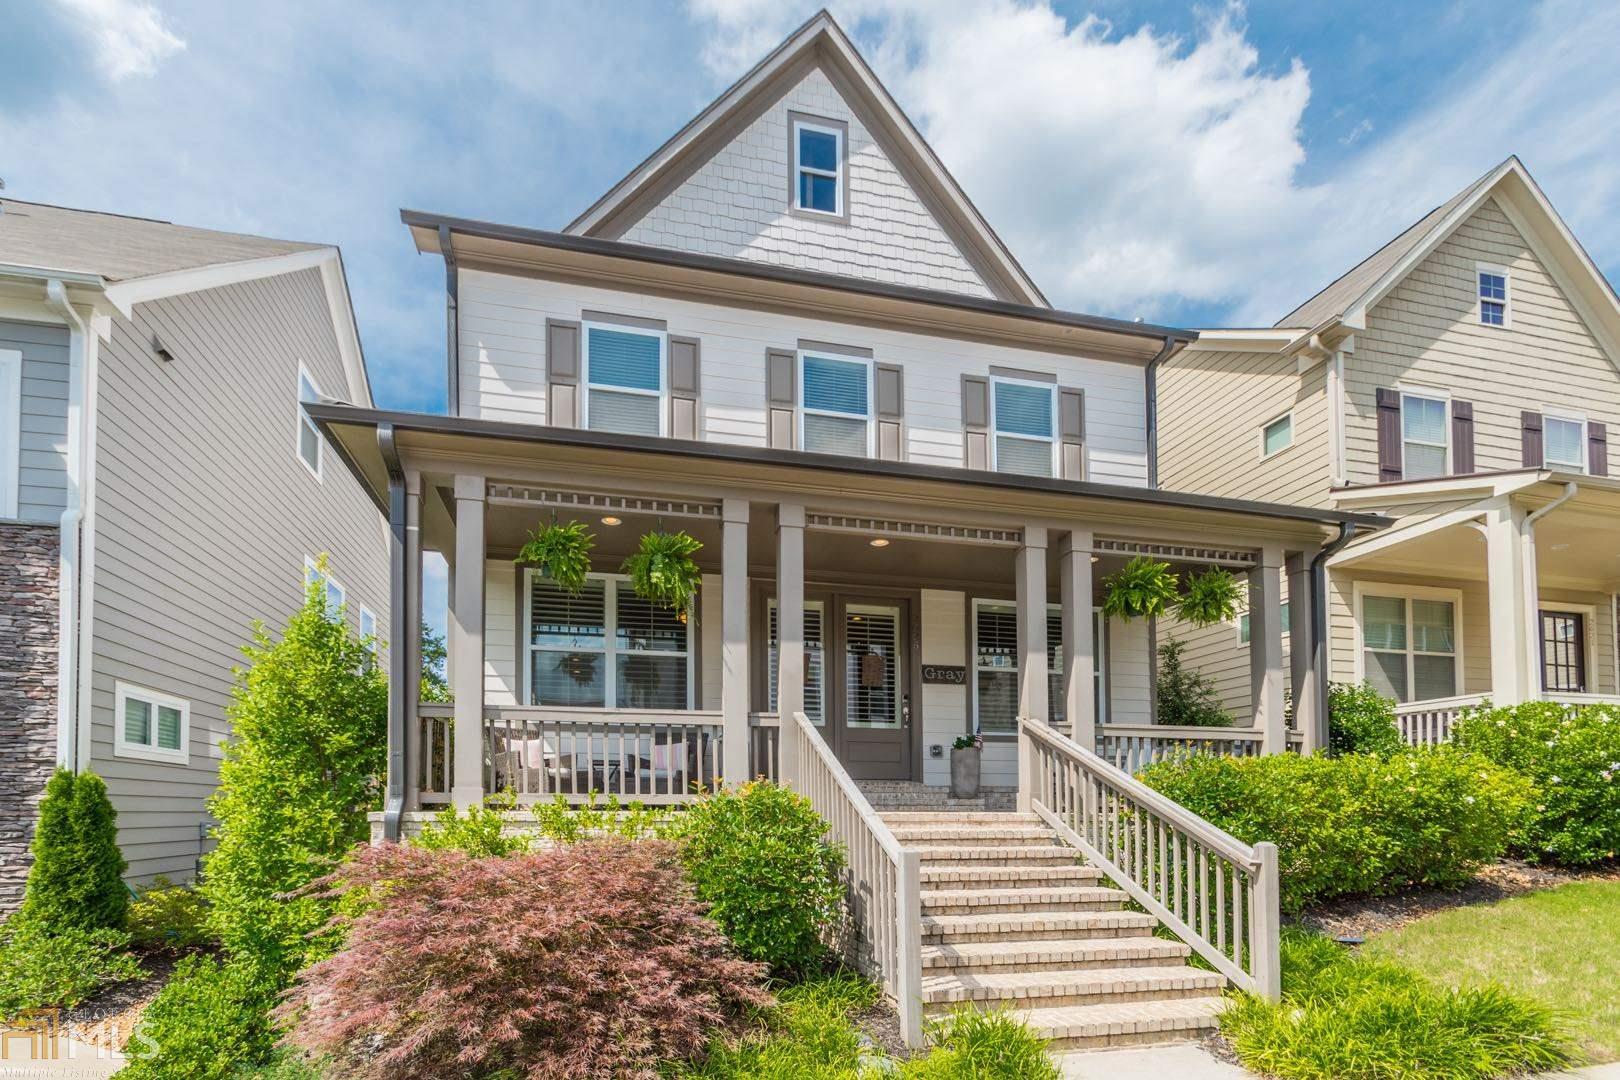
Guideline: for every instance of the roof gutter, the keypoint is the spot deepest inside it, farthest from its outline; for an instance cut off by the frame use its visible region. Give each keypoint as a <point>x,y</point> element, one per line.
<point>399,636</point>
<point>1319,626</point>
<point>1152,377</point>
<point>452,323</point>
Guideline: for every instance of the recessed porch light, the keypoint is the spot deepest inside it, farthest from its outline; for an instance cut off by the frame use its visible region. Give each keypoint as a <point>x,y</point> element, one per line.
<point>878,541</point>
<point>1096,558</point>
<point>610,520</point>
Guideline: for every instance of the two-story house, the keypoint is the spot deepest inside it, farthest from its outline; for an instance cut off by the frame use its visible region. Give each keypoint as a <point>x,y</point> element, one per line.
<point>789,333</point>
<point>160,489</point>
<point>1460,380</point>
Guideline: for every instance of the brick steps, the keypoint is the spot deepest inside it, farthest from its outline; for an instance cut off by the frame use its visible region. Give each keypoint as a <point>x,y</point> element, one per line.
<point>976,876</point>
<point>1046,955</point>
<point>1029,990</point>
<point>965,901</point>
<point>1126,1023</point>
<point>1008,927</point>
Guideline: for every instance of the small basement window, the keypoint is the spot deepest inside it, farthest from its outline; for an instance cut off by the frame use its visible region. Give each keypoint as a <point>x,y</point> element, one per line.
<point>818,157</point>
<point>151,725</point>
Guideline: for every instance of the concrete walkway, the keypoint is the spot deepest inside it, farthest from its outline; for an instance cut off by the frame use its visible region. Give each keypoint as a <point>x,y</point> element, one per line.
<point>1178,1061</point>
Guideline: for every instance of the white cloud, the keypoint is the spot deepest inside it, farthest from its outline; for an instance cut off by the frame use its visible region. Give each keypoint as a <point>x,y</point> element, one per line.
<point>129,36</point>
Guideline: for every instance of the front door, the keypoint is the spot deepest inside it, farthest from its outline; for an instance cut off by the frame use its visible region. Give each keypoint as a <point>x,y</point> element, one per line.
<point>1563,652</point>
<point>869,695</point>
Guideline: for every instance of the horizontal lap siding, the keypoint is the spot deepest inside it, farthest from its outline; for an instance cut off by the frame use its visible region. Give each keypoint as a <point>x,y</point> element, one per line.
<point>42,464</point>
<point>203,518</point>
<point>503,367</point>
<point>1426,332</point>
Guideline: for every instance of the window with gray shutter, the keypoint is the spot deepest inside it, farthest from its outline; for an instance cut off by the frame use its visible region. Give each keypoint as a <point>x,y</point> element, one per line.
<point>836,405</point>
<point>1597,447</point>
<point>1072,434</point>
<point>890,386</point>
<point>562,373</point>
<point>975,422</point>
<point>1389,434</point>
<point>781,396</point>
<point>685,371</point>
<point>1462,438</point>
<point>1021,416</point>
<point>624,379</point>
<point>1531,453</point>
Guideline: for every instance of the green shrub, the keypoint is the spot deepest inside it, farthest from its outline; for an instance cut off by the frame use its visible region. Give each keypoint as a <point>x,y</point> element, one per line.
<point>45,967</point>
<point>210,1020</point>
<point>1186,696</point>
<point>77,879</point>
<point>1357,824</point>
<point>567,824</point>
<point>1361,721</point>
<point>1346,1017</point>
<point>974,1045</point>
<point>759,858</point>
<point>1572,757</point>
<point>169,916</point>
<point>480,831</point>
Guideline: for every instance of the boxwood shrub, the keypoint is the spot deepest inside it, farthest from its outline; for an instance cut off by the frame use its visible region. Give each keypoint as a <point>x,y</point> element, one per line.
<point>1359,823</point>
<point>1572,757</point>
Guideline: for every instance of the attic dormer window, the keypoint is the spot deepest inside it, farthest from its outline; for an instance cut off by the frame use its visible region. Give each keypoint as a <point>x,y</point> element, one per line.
<point>1493,295</point>
<point>818,166</point>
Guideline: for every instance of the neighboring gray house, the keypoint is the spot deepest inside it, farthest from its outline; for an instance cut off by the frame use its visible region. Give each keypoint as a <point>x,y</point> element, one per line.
<point>160,489</point>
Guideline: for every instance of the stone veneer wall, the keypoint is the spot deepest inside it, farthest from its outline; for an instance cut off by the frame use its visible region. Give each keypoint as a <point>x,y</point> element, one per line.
<point>28,613</point>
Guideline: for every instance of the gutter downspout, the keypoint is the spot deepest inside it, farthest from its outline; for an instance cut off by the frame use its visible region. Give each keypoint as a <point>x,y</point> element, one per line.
<point>399,650</point>
<point>452,322</point>
<point>1532,586</point>
<point>1319,624</point>
<point>1152,388</point>
<point>67,565</point>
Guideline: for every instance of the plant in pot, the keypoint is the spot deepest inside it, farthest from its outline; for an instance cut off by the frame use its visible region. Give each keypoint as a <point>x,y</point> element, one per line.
<point>663,571</point>
<point>967,754</point>
<point>1209,598</point>
<point>1143,588</point>
<point>561,553</point>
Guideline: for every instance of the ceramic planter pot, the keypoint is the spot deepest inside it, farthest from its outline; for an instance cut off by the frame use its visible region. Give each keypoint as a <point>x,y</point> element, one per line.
<point>965,772</point>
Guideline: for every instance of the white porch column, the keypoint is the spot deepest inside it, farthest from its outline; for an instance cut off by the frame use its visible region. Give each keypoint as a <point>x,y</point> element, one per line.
<point>1265,650</point>
<point>1512,614</point>
<point>789,632</point>
<point>1029,572</point>
<point>734,641</point>
<point>1302,674</point>
<point>1079,675</point>
<point>412,624</point>
<point>467,642</point>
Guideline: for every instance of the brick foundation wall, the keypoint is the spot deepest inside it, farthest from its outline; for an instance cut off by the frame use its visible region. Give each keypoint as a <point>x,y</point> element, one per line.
<point>28,613</point>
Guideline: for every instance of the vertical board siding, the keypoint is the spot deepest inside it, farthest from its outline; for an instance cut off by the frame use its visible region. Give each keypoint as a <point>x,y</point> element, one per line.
<point>204,515</point>
<point>42,465</point>
<point>1129,672</point>
<point>503,368</point>
<point>944,708</point>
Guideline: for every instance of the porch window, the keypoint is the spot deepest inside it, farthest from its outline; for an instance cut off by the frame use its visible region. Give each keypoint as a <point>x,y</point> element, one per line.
<point>1244,633</point>
<point>1565,443</point>
<point>815,670</point>
<point>1563,652</point>
<point>1410,646</point>
<point>1425,446</point>
<point>1023,427</point>
<point>1054,663</point>
<point>837,396</point>
<point>151,725</point>
<point>995,665</point>
<point>605,648</point>
<point>624,374</point>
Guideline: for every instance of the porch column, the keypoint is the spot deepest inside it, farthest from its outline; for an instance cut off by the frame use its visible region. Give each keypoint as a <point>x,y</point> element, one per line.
<point>467,642</point>
<point>1265,650</point>
<point>789,633</point>
<point>411,626</point>
<point>734,641</point>
<point>1029,571</point>
<point>1510,595</point>
<point>1079,676</point>
<point>1302,673</point>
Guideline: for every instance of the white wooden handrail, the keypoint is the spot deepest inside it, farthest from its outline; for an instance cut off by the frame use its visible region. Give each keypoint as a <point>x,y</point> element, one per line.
<point>882,880</point>
<point>1218,894</point>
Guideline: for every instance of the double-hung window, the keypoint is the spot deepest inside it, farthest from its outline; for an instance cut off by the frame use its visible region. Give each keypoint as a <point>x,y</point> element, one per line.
<point>818,167</point>
<point>996,662</point>
<point>151,725</point>
<point>1245,632</point>
<point>1022,414</point>
<point>837,414</point>
<point>1493,295</point>
<point>624,376</point>
<point>1054,664</point>
<point>815,666</point>
<point>335,593</point>
<point>605,648</point>
<point>1564,445</point>
<point>309,436</point>
<point>1425,436</point>
<point>1409,643</point>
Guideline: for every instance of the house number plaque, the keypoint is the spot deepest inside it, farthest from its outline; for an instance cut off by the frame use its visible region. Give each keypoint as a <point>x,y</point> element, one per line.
<point>944,674</point>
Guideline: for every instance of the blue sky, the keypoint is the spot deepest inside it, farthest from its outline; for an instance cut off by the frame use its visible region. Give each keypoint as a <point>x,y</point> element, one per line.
<point>1195,164</point>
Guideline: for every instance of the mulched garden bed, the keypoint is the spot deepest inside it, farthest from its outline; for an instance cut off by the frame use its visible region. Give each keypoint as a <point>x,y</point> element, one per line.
<point>107,1019</point>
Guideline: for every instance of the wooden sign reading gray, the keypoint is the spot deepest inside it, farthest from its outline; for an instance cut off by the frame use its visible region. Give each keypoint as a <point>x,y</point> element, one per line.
<point>946,674</point>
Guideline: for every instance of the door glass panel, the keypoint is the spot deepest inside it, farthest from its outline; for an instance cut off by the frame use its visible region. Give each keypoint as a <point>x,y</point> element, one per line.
<point>1387,673</point>
<point>1563,652</point>
<point>815,667</point>
<point>871,666</point>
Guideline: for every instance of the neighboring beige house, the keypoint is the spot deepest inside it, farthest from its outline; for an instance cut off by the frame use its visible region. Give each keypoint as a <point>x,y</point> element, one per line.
<point>160,489</point>
<point>1460,380</point>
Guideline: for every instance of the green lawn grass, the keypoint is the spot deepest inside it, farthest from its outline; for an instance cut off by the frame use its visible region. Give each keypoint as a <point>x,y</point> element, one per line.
<point>1561,947</point>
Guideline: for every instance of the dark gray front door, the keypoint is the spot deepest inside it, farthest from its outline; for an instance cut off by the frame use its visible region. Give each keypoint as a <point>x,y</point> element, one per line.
<point>868,691</point>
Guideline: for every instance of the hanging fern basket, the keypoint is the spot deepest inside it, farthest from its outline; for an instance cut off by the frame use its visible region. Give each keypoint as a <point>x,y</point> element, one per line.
<point>1209,598</point>
<point>1142,589</point>
<point>561,553</point>
<point>663,572</point>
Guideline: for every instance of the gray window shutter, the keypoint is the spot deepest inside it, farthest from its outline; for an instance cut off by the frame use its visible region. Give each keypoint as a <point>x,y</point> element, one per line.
<point>1072,433</point>
<point>685,369</point>
<point>1597,448</point>
<point>1462,437</point>
<point>781,396</point>
<point>890,393</point>
<point>562,373</point>
<point>976,421</point>
<point>1532,449</point>
<point>1389,434</point>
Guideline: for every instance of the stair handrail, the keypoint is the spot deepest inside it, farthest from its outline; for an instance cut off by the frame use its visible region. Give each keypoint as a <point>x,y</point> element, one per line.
<point>882,879</point>
<point>1161,854</point>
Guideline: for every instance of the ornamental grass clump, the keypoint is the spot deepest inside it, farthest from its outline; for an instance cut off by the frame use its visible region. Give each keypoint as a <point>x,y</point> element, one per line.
<point>583,961</point>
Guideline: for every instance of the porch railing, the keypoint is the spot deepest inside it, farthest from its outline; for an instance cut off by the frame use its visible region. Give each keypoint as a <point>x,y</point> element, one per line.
<point>882,880</point>
<point>1218,894</point>
<point>764,735</point>
<point>1429,723</point>
<point>1132,747</point>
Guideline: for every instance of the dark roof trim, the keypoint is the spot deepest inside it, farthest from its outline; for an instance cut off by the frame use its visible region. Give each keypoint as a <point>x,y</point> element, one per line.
<point>327,415</point>
<point>618,249</point>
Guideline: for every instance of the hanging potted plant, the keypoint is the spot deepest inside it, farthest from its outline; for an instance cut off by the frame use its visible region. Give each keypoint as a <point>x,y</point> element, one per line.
<point>967,754</point>
<point>1209,598</point>
<point>561,553</point>
<point>663,571</point>
<point>1143,588</point>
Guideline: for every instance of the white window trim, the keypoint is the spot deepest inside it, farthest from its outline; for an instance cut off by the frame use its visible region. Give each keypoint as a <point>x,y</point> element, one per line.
<point>122,748</point>
<point>837,173</point>
<point>662,393</point>
<point>1099,631</point>
<point>1581,451</point>
<point>1507,300</point>
<point>801,411</point>
<point>610,628</point>
<point>1285,447</point>
<point>10,432</point>
<point>313,567</point>
<point>1409,592</point>
<point>303,422</point>
<point>995,427</point>
<point>1589,626</point>
<point>1427,394</point>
